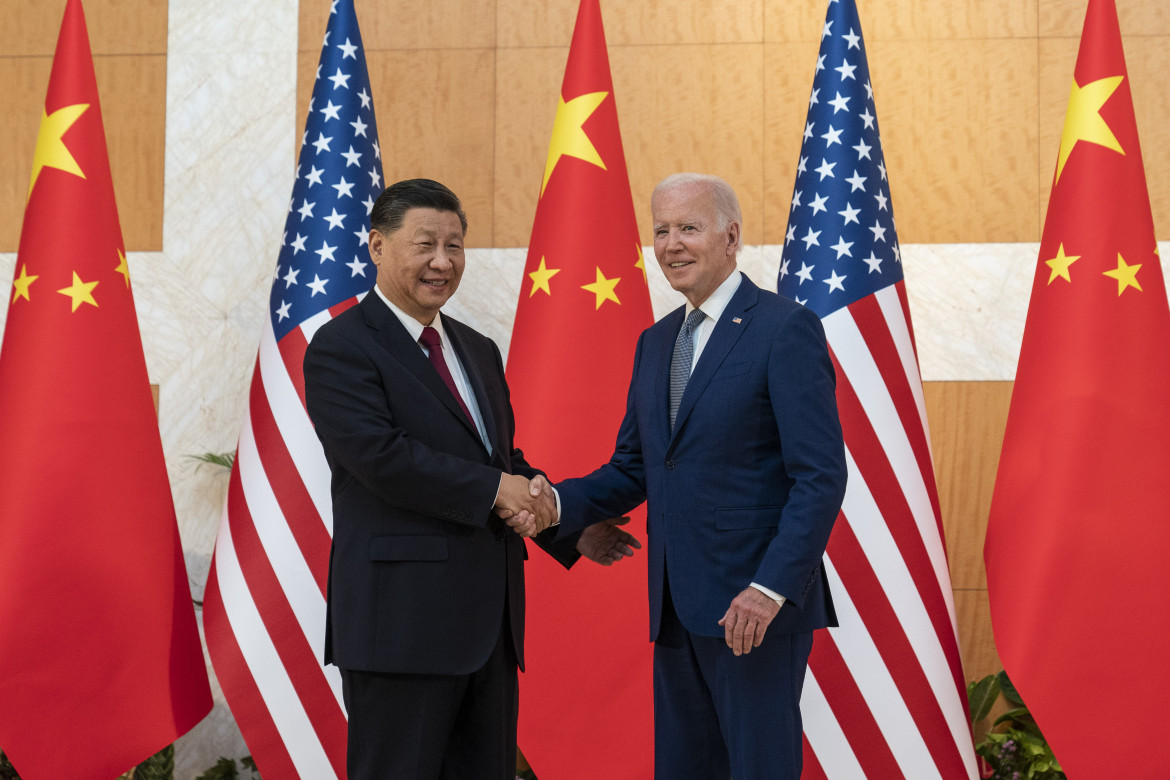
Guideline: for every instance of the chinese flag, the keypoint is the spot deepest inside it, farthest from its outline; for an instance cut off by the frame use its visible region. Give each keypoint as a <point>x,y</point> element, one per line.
<point>1078,539</point>
<point>100,662</point>
<point>586,702</point>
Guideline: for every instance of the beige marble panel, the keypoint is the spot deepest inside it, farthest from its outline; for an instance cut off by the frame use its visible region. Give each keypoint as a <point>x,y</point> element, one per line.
<point>524,23</point>
<point>958,124</point>
<point>976,641</point>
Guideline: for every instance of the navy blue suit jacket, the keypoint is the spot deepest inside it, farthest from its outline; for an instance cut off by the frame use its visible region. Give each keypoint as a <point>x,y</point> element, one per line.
<point>748,485</point>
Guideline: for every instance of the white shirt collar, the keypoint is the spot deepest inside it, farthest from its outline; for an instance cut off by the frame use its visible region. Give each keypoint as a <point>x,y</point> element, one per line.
<point>717,301</point>
<point>413,326</point>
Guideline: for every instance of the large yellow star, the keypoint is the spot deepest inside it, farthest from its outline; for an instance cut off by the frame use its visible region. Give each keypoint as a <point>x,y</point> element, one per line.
<point>123,268</point>
<point>22,283</point>
<point>1083,121</point>
<point>1060,265</point>
<point>641,263</point>
<point>51,151</point>
<point>568,135</point>
<point>81,292</point>
<point>603,288</point>
<point>1126,275</point>
<point>540,278</point>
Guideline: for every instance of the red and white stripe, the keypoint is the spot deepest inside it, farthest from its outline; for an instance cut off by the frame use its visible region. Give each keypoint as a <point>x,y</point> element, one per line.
<point>264,606</point>
<point>884,696</point>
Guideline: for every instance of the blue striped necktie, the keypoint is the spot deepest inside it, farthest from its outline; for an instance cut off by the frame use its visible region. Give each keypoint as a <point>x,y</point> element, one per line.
<point>680,363</point>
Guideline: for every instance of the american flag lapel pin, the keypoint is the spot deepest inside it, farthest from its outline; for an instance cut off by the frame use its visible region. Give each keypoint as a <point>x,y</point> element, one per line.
<point>736,320</point>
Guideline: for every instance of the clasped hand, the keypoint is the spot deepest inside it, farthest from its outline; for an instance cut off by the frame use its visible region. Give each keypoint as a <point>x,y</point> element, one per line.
<point>528,508</point>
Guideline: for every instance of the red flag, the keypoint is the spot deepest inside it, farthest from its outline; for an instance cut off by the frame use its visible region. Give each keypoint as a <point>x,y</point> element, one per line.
<point>1077,540</point>
<point>99,646</point>
<point>583,303</point>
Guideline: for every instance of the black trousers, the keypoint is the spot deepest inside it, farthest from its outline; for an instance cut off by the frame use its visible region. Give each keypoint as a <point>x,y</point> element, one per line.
<point>434,727</point>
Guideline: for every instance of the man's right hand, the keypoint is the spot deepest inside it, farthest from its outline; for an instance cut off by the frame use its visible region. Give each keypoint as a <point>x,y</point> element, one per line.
<point>528,508</point>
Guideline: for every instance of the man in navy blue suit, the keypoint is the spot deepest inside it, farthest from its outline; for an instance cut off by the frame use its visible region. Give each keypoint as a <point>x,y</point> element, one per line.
<point>732,435</point>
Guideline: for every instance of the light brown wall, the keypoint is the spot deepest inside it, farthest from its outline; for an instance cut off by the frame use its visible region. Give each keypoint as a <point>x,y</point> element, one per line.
<point>970,100</point>
<point>129,44</point>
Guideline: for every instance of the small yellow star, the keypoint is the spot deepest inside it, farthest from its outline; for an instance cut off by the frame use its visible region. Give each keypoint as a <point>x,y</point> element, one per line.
<point>51,151</point>
<point>81,292</point>
<point>540,278</point>
<point>641,263</point>
<point>1126,275</point>
<point>123,268</point>
<point>22,283</point>
<point>603,288</point>
<point>1060,265</point>
<point>568,135</point>
<point>1084,122</point>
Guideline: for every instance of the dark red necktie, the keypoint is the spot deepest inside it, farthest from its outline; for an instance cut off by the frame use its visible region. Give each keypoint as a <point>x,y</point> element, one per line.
<point>430,340</point>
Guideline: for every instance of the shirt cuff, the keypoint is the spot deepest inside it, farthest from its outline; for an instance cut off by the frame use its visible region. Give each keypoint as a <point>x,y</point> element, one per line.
<point>769,593</point>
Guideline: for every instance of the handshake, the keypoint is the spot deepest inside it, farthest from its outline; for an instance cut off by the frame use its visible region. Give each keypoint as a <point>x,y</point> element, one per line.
<point>530,507</point>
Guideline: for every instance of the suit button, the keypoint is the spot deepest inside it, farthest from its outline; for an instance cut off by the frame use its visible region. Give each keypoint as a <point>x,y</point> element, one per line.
<point>670,464</point>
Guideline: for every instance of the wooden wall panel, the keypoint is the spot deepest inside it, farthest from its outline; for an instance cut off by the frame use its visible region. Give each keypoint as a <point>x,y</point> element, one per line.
<point>401,24</point>
<point>787,82</point>
<point>1066,18</point>
<point>905,20</point>
<point>967,421</point>
<point>958,124</point>
<point>435,112</point>
<point>1147,59</point>
<point>30,27</point>
<point>129,44</point>
<point>133,96</point>
<point>550,22</point>
<point>667,128</point>
<point>528,81</point>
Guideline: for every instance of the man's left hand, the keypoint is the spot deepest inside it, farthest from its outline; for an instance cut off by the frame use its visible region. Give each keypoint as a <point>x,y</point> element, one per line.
<point>747,619</point>
<point>606,543</point>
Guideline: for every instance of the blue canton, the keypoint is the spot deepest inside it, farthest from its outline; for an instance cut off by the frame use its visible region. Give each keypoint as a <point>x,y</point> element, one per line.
<point>841,244</point>
<point>325,255</point>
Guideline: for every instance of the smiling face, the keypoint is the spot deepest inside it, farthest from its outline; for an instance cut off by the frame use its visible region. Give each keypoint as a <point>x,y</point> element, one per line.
<point>694,251</point>
<point>420,264</point>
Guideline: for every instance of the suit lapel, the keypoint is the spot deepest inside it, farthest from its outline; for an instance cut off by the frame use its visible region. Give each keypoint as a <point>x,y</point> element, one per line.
<point>394,338</point>
<point>476,366</point>
<point>727,332</point>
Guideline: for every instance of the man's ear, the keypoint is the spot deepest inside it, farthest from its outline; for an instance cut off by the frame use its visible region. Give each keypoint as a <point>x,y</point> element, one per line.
<point>377,245</point>
<point>733,236</point>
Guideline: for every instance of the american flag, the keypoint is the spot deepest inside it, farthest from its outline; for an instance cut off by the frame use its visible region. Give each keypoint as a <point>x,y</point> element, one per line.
<point>264,607</point>
<point>884,697</point>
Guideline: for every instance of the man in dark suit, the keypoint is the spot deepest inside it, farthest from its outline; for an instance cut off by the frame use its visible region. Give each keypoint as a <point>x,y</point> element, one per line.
<point>426,586</point>
<point>732,435</point>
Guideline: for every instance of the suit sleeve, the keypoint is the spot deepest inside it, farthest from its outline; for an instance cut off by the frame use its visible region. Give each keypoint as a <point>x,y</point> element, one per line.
<point>348,403</point>
<point>618,486</point>
<point>802,390</point>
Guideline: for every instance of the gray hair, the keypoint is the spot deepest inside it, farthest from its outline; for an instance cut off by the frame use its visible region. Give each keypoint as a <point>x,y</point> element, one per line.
<point>722,195</point>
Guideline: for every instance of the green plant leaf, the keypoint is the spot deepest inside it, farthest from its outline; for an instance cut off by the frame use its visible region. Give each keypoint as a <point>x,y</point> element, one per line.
<point>222,459</point>
<point>160,766</point>
<point>1008,690</point>
<point>224,769</point>
<point>981,696</point>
